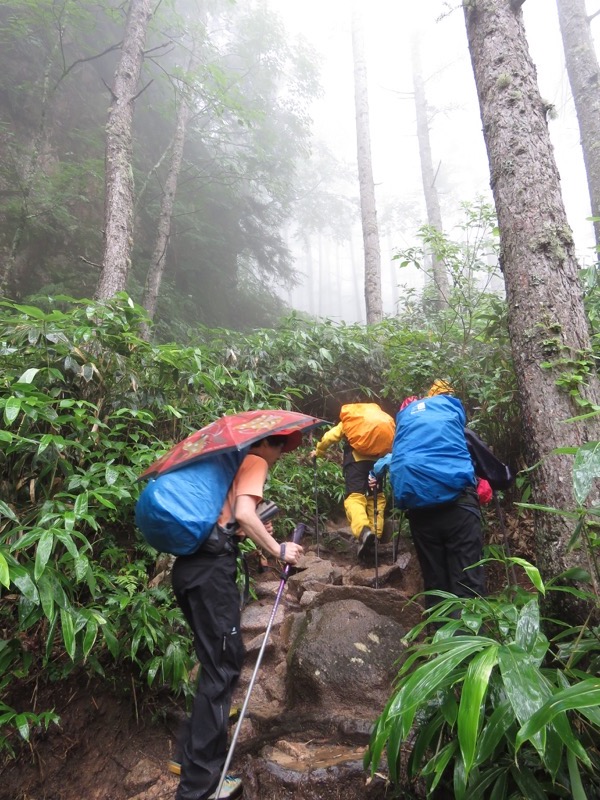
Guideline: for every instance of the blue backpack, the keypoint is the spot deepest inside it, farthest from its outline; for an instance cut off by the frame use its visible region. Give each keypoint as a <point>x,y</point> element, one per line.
<point>176,511</point>
<point>430,462</point>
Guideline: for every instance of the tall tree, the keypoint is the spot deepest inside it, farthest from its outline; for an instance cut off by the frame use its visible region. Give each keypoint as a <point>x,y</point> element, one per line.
<point>159,255</point>
<point>368,207</point>
<point>548,329</point>
<point>118,199</point>
<point>48,54</point>
<point>428,174</point>
<point>584,77</point>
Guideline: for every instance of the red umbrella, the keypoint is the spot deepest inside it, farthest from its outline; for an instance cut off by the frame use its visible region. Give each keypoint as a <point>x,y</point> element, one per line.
<point>234,432</point>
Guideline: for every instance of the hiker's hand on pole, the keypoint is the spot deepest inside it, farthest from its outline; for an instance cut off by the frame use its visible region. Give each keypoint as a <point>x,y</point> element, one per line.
<point>313,455</point>
<point>372,480</point>
<point>291,552</point>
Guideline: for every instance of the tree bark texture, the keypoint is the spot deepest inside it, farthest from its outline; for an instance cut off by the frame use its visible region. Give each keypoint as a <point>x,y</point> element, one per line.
<point>368,208</point>
<point>546,316</point>
<point>157,264</point>
<point>432,201</point>
<point>584,77</point>
<point>118,201</point>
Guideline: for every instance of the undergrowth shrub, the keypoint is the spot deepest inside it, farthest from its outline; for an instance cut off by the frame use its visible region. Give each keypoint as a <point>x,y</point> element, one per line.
<point>489,707</point>
<point>87,404</point>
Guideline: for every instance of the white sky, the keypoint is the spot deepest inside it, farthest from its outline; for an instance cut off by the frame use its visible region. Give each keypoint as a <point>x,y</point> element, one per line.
<point>457,141</point>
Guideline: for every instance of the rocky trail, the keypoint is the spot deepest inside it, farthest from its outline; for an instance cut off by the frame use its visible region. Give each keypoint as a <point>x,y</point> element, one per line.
<point>326,673</point>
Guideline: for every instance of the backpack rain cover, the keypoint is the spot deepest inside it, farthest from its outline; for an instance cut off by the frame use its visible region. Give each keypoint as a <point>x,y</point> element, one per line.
<point>430,462</point>
<point>177,511</point>
<point>368,429</point>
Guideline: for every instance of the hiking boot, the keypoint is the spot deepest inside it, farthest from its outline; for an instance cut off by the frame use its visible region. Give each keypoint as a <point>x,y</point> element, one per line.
<point>232,787</point>
<point>174,765</point>
<point>366,543</point>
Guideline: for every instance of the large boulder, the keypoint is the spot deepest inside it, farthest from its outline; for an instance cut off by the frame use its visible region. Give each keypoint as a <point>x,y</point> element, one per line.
<point>343,656</point>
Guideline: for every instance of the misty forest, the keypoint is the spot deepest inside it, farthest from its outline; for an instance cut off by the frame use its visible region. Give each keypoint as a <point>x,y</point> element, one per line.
<point>212,206</point>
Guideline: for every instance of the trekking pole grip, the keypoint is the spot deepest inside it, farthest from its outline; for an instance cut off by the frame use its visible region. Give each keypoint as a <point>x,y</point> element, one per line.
<point>298,533</point>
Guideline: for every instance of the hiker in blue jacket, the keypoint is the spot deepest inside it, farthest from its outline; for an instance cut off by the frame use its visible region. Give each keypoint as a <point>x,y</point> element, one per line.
<point>433,479</point>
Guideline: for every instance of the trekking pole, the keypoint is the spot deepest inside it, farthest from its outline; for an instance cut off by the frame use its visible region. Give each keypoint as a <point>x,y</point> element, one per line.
<point>316,508</point>
<point>513,574</point>
<point>298,534</point>
<point>375,515</point>
<point>395,533</point>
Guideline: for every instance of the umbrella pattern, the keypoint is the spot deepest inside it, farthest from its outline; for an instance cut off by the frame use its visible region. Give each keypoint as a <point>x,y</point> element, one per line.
<point>235,432</point>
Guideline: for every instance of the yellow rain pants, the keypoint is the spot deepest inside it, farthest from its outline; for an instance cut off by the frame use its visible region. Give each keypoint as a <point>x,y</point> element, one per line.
<point>360,512</point>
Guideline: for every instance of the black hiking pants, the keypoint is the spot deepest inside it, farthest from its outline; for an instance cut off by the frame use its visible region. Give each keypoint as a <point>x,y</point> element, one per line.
<point>448,539</point>
<point>206,590</point>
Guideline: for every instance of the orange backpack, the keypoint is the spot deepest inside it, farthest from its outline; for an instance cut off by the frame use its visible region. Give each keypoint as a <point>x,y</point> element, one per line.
<point>368,429</point>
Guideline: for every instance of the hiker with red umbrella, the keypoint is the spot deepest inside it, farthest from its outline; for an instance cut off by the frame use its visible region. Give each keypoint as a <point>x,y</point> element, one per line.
<point>204,580</point>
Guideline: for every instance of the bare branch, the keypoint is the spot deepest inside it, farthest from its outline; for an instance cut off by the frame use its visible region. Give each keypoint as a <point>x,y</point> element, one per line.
<point>91,263</point>
<point>141,91</point>
<point>160,47</point>
<point>595,14</point>
<point>112,94</point>
<point>83,61</point>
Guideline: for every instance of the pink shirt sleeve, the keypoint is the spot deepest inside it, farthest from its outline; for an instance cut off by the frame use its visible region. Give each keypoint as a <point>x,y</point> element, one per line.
<point>249,480</point>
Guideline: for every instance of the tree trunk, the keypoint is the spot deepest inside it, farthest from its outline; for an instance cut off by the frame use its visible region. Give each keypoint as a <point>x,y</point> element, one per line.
<point>355,282</point>
<point>365,177</point>
<point>432,202</point>
<point>548,329</point>
<point>118,200</point>
<point>584,77</point>
<point>157,264</point>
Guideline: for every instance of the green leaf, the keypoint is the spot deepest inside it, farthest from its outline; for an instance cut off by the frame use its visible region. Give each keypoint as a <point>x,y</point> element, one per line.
<point>6,511</point>
<point>571,574</point>
<point>424,735</point>
<point>68,632</point>
<point>31,311</point>
<point>81,504</point>
<point>459,779</point>
<point>82,565</point>
<point>111,641</point>
<point>46,591</point>
<point>22,725</point>
<point>549,510</point>
<point>4,571</point>
<point>11,409</point>
<point>586,468</point>
<point>22,580</point>
<point>28,375</point>
<point>585,694</point>
<point>528,784</point>
<point>438,764</point>
<point>577,790</point>
<point>576,535</point>
<point>50,637</point>
<point>532,573</point>
<point>525,687</point>
<point>499,722</point>
<point>499,790</point>
<point>528,626</point>
<point>111,475</point>
<point>91,633</point>
<point>428,678</point>
<point>43,553</point>
<point>472,698</point>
